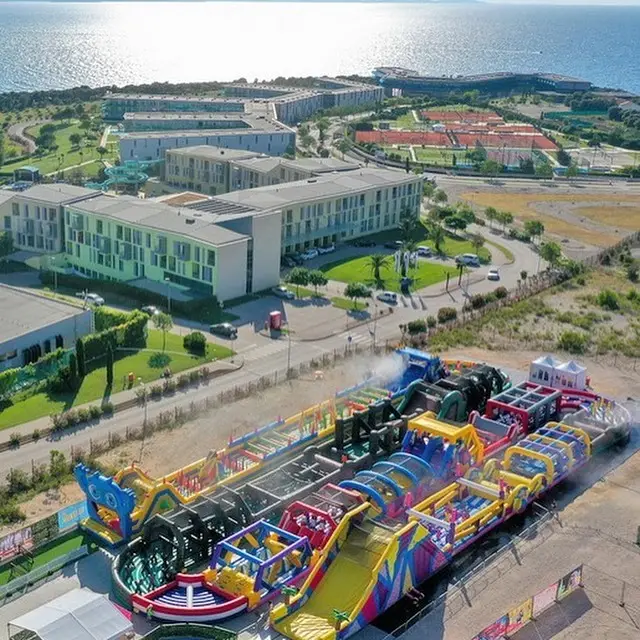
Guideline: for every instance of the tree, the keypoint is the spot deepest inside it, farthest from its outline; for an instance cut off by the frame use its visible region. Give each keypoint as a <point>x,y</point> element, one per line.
<point>504,218</point>
<point>544,170</point>
<point>317,279</point>
<point>490,168</point>
<point>356,290</point>
<point>477,241</point>
<point>456,223</point>
<point>563,158</point>
<point>407,226</point>
<point>572,170</point>
<point>440,197</point>
<point>428,189</point>
<point>343,146</point>
<point>299,276</point>
<point>523,275</point>
<point>2,154</point>
<point>288,592</point>
<point>551,252</point>
<point>376,262</point>
<point>102,151</point>
<point>109,366</point>
<point>534,228</point>
<point>437,235</point>
<point>303,129</point>
<point>163,322</point>
<point>73,370</point>
<point>81,357</point>
<point>75,139</point>
<point>407,167</point>
<point>491,214</point>
<point>6,244</point>
<point>322,124</point>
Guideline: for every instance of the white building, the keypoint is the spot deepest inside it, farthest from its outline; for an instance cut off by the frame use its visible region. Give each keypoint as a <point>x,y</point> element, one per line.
<point>32,326</point>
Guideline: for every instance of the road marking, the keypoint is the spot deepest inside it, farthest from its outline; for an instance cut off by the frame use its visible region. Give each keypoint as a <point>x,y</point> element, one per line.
<point>251,346</point>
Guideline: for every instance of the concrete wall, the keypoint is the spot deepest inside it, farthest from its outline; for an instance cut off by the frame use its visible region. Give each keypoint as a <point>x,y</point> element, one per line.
<point>70,329</point>
<point>231,270</point>
<point>267,231</point>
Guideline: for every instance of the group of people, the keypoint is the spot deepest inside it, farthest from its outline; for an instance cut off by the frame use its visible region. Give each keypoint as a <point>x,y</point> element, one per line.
<point>313,522</point>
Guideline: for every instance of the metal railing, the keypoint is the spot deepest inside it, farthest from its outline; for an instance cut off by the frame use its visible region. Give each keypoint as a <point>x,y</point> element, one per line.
<point>46,570</point>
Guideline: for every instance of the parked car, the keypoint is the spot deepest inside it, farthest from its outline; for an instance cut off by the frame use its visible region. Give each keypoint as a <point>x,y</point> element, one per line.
<point>287,261</point>
<point>93,298</point>
<point>388,296</point>
<point>283,292</point>
<point>309,254</point>
<point>425,252</point>
<point>468,259</point>
<point>330,249</point>
<point>393,245</point>
<point>224,329</point>
<point>493,274</point>
<point>150,310</point>
<point>363,243</point>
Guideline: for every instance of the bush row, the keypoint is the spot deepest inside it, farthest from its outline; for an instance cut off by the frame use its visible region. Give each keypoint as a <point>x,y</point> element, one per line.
<point>131,334</point>
<point>170,385</point>
<point>479,300</point>
<point>73,417</point>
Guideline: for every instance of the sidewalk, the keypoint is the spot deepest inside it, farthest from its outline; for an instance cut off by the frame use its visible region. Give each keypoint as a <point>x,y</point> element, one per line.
<point>125,398</point>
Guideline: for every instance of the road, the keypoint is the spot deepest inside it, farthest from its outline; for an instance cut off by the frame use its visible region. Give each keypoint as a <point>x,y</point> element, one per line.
<point>16,132</point>
<point>263,356</point>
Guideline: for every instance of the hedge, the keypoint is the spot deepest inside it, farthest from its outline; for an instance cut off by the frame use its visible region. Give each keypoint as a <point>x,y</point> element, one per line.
<point>131,334</point>
<point>106,318</point>
<point>204,310</point>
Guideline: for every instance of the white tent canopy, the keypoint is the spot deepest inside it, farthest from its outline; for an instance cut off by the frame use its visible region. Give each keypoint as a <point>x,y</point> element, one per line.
<point>80,614</point>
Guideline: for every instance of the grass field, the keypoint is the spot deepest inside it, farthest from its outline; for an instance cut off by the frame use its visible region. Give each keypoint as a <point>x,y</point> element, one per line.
<point>147,364</point>
<point>607,210</point>
<point>348,305</point>
<point>66,155</point>
<point>46,554</point>
<point>358,270</point>
<point>436,156</point>
<point>401,151</point>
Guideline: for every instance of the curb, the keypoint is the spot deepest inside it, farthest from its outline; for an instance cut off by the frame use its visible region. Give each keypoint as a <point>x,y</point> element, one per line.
<point>119,406</point>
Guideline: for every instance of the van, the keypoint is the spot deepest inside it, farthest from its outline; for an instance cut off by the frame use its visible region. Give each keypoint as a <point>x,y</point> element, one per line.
<point>388,296</point>
<point>468,259</point>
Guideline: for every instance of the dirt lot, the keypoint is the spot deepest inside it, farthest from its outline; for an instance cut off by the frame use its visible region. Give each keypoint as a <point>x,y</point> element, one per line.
<point>587,218</point>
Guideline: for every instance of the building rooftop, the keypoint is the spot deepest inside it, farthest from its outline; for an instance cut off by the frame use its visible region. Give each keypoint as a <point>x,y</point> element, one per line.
<point>181,115</point>
<point>263,126</point>
<point>171,98</point>
<point>180,199</point>
<point>214,153</point>
<point>6,195</point>
<point>58,193</point>
<point>320,188</point>
<point>265,164</point>
<point>22,312</point>
<point>162,217</point>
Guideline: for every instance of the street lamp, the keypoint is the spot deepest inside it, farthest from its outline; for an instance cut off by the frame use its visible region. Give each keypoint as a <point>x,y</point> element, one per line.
<point>144,424</point>
<point>55,275</point>
<point>168,281</point>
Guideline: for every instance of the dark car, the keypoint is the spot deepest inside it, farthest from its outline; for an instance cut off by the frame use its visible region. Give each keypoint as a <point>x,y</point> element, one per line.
<point>150,310</point>
<point>224,329</point>
<point>287,261</point>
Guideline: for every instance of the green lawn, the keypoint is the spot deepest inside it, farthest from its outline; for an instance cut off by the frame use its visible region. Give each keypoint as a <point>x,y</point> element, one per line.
<point>147,364</point>
<point>358,270</point>
<point>65,155</point>
<point>347,304</point>
<point>46,554</point>
<point>402,152</point>
<point>436,156</point>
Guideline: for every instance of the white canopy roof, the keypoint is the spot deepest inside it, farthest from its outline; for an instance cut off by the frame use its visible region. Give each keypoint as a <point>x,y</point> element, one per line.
<point>547,361</point>
<point>80,614</point>
<point>572,367</point>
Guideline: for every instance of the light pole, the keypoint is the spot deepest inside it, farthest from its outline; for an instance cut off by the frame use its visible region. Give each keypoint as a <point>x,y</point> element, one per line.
<point>288,349</point>
<point>168,281</point>
<point>55,276</point>
<point>144,423</point>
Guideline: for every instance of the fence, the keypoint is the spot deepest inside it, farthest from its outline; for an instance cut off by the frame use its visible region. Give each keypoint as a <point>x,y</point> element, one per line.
<point>490,569</point>
<point>532,607</point>
<point>190,630</point>
<point>45,571</point>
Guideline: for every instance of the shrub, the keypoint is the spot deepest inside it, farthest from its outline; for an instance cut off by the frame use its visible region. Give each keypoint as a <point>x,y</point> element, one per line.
<point>11,513</point>
<point>83,415</point>
<point>14,440</point>
<point>107,408</point>
<point>195,343</point>
<point>36,435</point>
<point>501,293</point>
<point>572,341</point>
<point>95,412</point>
<point>72,417</point>
<point>431,322</point>
<point>106,318</point>
<point>58,421</point>
<point>446,314</point>
<point>18,481</point>
<point>156,391</point>
<point>477,301</point>
<point>169,386</point>
<point>581,280</point>
<point>608,299</point>
<point>183,381</point>
<point>633,271</point>
<point>205,373</point>
<point>194,376</point>
<point>633,295</point>
<point>416,326</point>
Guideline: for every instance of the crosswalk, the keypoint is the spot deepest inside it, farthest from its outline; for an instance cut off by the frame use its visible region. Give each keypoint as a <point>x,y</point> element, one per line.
<point>356,338</point>
<point>255,352</point>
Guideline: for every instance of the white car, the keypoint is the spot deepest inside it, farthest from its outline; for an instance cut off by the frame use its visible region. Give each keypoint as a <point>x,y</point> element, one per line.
<point>330,249</point>
<point>425,252</point>
<point>493,274</point>
<point>283,292</point>
<point>309,254</point>
<point>388,296</point>
<point>468,259</point>
<point>94,298</point>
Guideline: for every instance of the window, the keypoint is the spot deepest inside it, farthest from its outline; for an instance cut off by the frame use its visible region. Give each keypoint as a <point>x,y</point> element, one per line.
<point>15,209</point>
<point>137,237</point>
<point>127,234</point>
<point>211,258</point>
<point>195,270</point>
<point>172,263</point>
<point>154,259</point>
<point>119,234</point>
<point>120,265</point>
<point>196,254</point>
<point>141,254</point>
<point>99,227</point>
<point>163,262</point>
<point>207,274</point>
<point>7,222</point>
<point>147,240</point>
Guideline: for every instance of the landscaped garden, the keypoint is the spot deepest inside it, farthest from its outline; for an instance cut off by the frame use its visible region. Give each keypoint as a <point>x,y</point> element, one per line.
<point>360,269</point>
<point>148,364</point>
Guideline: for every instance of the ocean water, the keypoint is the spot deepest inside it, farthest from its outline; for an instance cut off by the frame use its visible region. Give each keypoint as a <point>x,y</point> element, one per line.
<point>60,45</point>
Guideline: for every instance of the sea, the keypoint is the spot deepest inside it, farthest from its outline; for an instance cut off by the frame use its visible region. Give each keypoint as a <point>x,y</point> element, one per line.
<point>60,45</point>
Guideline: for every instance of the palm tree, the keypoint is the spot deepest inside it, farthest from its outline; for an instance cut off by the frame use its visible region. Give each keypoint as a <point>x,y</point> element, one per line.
<point>407,226</point>
<point>340,617</point>
<point>437,235</point>
<point>288,592</point>
<point>376,262</point>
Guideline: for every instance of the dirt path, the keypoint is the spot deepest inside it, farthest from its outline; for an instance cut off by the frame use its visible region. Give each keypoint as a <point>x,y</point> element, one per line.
<point>16,133</point>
